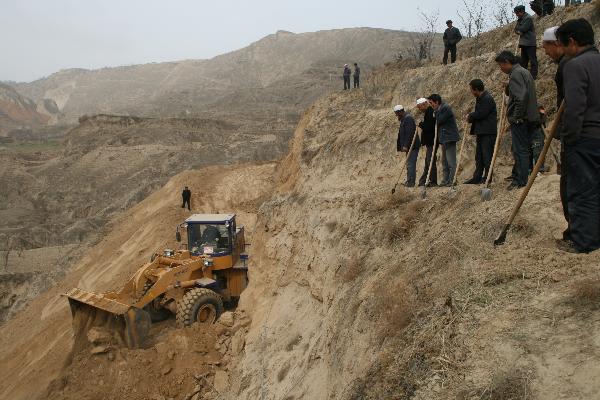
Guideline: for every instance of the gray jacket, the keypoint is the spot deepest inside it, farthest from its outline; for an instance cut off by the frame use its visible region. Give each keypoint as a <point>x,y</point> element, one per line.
<point>582,97</point>
<point>452,36</point>
<point>522,99</point>
<point>526,28</point>
<point>446,122</point>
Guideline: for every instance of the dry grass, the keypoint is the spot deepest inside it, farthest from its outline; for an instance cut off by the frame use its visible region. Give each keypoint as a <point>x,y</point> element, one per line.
<point>395,305</point>
<point>351,266</point>
<point>400,228</point>
<point>587,292</point>
<point>509,385</point>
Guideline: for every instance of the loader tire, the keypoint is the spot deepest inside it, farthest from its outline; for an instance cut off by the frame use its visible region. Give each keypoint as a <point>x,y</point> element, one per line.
<point>199,305</point>
<point>157,314</point>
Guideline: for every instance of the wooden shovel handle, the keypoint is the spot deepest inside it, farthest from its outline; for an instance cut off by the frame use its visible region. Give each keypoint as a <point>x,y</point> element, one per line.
<point>538,164</point>
<point>503,120</point>
<point>433,155</point>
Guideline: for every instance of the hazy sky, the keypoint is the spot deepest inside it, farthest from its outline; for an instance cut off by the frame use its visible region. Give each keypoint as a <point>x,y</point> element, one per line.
<point>40,37</point>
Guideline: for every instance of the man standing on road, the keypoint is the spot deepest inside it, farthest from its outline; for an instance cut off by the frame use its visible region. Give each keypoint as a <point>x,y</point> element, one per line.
<point>406,133</point>
<point>186,196</point>
<point>580,134</point>
<point>556,52</point>
<point>484,124</point>
<point>523,115</point>
<point>451,38</point>
<point>427,126</point>
<point>347,73</point>
<point>448,136</point>
<point>527,40</point>
<point>356,76</point>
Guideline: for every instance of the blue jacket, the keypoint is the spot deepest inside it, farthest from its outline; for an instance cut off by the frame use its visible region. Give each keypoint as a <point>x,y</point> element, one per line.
<point>446,122</point>
<point>407,130</point>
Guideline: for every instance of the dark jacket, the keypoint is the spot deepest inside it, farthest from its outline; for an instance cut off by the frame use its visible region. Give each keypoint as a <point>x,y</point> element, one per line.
<point>347,71</point>
<point>526,28</point>
<point>582,97</point>
<point>484,120</point>
<point>406,132</point>
<point>357,72</point>
<point>186,194</point>
<point>447,128</point>
<point>560,81</point>
<point>427,128</point>
<point>452,36</point>
<point>522,99</point>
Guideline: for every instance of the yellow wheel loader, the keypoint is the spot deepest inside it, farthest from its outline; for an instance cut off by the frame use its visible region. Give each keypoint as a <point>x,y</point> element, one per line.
<point>191,283</point>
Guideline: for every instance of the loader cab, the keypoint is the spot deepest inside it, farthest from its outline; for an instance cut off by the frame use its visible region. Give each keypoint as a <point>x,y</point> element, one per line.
<point>212,234</point>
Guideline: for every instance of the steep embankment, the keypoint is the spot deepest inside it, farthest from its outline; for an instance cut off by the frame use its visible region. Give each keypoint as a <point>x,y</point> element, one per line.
<point>365,295</point>
<point>35,344</point>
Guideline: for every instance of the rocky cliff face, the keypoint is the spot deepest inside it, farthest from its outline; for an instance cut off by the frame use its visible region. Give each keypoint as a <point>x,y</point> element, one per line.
<point>18,111</point>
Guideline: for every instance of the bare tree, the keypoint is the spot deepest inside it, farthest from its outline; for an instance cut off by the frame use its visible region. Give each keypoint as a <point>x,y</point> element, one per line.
<point>503,12</point>
<point>473,17</point>
<point>422,41</point>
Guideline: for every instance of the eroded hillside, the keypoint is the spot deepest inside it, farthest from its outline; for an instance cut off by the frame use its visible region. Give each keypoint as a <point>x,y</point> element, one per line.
<point>355,293</point>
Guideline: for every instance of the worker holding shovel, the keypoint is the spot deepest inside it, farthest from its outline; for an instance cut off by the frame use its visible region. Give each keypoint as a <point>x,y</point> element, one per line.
<point>523,115</point>
<point>408,142</point>
<point>448,136</point>
<point>427,126</point>
<point>484,124</point>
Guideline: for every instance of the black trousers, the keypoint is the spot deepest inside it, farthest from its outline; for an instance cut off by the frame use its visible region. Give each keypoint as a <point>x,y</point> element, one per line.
<point>452,50</point>
<point>346,82</point>
<point>356,81</point>
<point>483,156</point>
<point>428,157</point>
<point>529,56</point>
<point>521,144</point>
<point>583,192</point>
<point>186,201</point>
<point>563,191</point>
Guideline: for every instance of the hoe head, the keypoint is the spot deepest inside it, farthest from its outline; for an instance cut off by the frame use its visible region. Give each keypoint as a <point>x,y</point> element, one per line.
<point>127,324</point>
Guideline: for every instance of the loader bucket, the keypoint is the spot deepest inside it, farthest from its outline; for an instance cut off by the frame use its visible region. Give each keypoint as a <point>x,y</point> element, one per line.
<point>127,324</point>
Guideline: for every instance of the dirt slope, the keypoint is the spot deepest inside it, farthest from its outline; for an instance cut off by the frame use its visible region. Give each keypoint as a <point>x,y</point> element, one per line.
<point>34,346</point>
<point>355,293</point>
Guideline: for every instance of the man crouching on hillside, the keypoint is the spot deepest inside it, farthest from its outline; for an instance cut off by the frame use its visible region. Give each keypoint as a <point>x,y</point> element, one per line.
<point>406,134</point>
<point>580,134</point>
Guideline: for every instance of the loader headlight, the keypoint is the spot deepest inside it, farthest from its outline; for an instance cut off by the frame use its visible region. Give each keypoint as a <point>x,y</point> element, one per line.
<point>168,253</point>
<point>208,262</point>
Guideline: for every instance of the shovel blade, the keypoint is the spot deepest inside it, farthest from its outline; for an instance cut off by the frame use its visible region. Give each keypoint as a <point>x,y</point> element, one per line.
<point>502,236</point>
<point>486,194</point>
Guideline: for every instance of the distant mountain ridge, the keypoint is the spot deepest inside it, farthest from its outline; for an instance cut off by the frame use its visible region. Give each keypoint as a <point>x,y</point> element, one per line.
<point>284,69</point>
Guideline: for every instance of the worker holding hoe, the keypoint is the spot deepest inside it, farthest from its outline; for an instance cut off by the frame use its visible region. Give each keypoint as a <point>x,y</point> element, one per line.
<point>427,126</point>
<point>448,136</point>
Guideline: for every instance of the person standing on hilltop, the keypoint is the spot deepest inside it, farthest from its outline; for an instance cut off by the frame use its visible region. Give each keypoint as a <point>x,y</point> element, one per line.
<point>527,40</point>
<point>484,125</point>
<point>523,115</point>
<point>556,52</point>
<point>356,76</point>
<point>451,38</point>
<point>427,126</point>
<point>347,73</point>
<point>406,134</point>
<point>186,196</point>
<point>448,136</point>
<point>580,134</point>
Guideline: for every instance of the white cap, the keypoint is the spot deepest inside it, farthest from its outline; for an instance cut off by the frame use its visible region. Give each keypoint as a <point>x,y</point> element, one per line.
<point>421,101</point>
<point>550,34</point>
<point>345,65</point>
<point>398,108</point>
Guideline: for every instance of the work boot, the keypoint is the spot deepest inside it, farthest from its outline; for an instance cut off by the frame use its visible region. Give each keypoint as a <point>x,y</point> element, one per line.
<point>473,181</point>
<point>514,186</point>
<point>567,246</point>
<point>432,184</point>
<point>409,184</point>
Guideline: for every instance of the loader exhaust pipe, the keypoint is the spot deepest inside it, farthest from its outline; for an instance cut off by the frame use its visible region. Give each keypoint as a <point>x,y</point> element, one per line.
<point>128,325</point>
